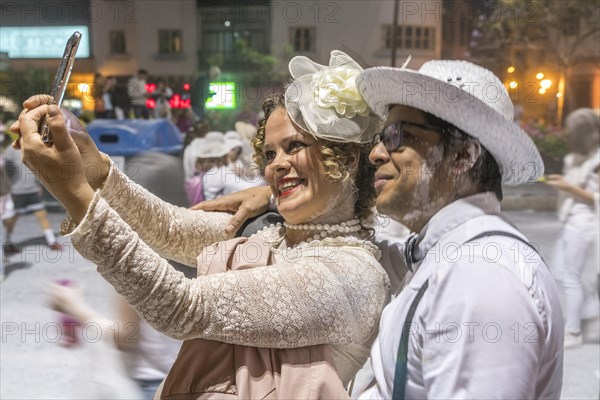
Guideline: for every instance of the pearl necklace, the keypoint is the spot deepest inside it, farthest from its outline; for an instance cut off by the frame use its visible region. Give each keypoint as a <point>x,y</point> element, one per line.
<point>352,225</point>
<point>272,234</point>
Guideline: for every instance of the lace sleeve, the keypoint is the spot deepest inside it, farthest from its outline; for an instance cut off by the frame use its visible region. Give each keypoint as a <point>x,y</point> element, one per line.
<point>310,296</point>
<point>175,233</point>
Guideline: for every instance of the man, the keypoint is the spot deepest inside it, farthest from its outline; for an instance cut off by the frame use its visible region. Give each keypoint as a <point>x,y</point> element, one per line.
<point>488,322</point>
<point>136,89</point>
<point>478,314</point>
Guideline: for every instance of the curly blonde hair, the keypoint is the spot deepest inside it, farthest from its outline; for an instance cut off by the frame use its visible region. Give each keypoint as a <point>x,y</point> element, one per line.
<point>335,156</point>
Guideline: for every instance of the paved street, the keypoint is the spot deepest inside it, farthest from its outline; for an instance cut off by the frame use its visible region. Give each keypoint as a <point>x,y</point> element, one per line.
<point>34,366</point>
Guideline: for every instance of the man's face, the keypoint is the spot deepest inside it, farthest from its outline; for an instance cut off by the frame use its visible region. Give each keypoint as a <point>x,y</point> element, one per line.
<point>407,180</point>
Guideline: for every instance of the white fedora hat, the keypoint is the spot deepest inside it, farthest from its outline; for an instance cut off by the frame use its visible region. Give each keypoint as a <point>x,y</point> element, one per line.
<point>467,96</point>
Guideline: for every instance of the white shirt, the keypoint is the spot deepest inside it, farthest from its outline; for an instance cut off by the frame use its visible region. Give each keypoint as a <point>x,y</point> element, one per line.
<point>219,181</point>
<point>490,323</point>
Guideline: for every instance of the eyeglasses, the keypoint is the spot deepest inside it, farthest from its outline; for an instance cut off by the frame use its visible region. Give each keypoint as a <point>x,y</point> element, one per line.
<point>392,134</point>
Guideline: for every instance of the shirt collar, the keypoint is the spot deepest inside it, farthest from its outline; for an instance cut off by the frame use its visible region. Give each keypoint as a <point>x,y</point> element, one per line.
<point>450,217</point>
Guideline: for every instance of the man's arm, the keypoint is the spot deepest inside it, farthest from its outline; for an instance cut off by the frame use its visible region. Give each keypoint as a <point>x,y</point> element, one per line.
<point>245,204</point>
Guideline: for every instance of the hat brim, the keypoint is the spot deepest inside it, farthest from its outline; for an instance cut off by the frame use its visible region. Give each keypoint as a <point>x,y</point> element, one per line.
<point>514,151</point>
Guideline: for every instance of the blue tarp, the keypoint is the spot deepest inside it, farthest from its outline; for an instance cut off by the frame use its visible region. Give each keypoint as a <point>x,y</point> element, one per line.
<point>133,136</point>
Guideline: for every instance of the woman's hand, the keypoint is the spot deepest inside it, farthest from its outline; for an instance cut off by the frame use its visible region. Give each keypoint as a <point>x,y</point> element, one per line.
<point>59,167</point>
<point>558,182</point>
<point>96,164</point>
<point>245,204</point>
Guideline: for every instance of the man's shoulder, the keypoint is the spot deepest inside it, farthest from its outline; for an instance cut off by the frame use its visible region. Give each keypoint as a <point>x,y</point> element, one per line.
<point>495,248</point>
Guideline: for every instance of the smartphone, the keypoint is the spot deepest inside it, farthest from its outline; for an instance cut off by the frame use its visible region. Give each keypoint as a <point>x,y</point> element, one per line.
<point>59,86</point>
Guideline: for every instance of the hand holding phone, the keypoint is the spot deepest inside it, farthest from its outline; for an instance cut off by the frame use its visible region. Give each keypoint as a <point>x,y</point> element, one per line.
<point>59,86</point>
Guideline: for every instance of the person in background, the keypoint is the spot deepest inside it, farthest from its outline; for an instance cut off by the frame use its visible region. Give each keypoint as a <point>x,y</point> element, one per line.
<point>5,189</point>
<point>247,133</point>
<point>185,120</point>
<point>201,91</point>
<point>97,94</point>
<point>246,172</point>
<point>198,130</point>
<point>27,198</point>
<point>161,95</point>
<point>122,103</point>
<point>136,90</point>
<point>148,354</point>
<point>108,97</point>
<point>577,245</point>
<point>234,158</point>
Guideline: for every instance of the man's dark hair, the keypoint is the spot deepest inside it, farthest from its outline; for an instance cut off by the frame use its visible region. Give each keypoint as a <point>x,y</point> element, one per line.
<point>142,72</point>
<point>485,172</point>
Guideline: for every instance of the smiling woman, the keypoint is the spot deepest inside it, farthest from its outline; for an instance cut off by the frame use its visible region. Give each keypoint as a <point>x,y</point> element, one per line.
<point>311,177</point>
<point>290,312</point>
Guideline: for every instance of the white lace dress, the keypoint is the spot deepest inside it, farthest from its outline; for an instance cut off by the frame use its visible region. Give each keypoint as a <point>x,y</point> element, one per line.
<point>325,291</point>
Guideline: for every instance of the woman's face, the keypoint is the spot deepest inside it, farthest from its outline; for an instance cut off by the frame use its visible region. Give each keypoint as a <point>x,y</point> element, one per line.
<point>295,173</point>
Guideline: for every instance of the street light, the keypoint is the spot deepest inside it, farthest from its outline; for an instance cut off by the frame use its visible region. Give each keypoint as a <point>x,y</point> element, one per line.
<point>539,76</point>
<point>513,85</point>
<point>542,91</point>
<point>546,83</point>
<point>510,69</point>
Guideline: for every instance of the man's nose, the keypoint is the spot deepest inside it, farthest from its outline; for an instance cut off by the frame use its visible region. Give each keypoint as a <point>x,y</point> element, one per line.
<point>379,154</point>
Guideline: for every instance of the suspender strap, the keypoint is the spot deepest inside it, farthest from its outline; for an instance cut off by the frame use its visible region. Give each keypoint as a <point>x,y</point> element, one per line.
<point>401,372</point>
<point>402,359</point>
<point>510,235</point>
<point>500,233</point>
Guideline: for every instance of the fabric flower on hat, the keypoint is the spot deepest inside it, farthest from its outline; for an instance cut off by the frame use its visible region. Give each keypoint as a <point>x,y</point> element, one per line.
<point>336,87</point>
<point>324,100</point>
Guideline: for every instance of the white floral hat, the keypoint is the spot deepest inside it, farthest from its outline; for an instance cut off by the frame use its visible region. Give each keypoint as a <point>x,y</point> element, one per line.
<point>467,96</point>
<point>324,100</point>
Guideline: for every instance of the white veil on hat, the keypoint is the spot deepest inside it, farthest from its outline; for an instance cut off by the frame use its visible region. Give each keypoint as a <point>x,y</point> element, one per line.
<point>324,100</point>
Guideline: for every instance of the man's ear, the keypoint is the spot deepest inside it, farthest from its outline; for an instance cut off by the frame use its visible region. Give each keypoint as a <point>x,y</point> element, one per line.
<point>465,157</point>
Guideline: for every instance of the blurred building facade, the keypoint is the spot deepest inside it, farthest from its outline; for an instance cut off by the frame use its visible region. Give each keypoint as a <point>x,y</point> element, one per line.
<point>459,18</point>
<point>179,39</point>
<point>363,29</point>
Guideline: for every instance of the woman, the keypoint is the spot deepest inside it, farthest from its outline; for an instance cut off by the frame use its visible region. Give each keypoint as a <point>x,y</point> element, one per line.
<point>579,212</point>
<point>300,322</point>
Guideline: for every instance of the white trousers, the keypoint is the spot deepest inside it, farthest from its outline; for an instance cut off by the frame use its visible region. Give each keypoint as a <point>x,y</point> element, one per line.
<point>573,251</point>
